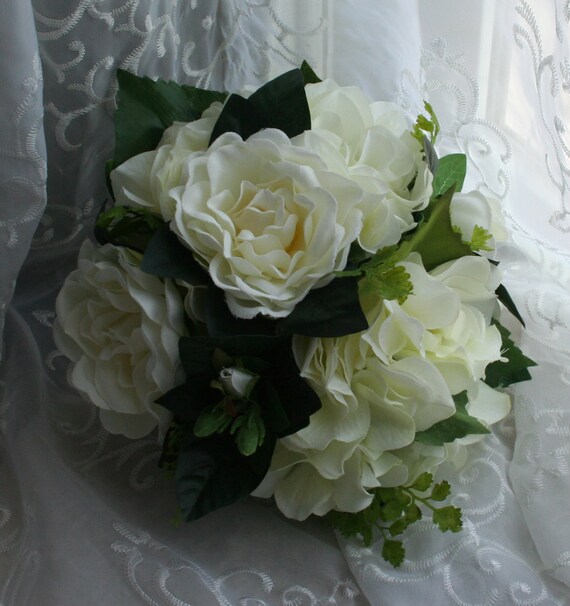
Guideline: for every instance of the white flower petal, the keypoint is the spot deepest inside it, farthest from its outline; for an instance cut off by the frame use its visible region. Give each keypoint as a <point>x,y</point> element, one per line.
<point>120,328</point>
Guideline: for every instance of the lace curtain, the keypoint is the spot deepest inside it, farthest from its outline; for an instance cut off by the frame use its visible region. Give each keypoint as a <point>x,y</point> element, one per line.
<point>85,516</point>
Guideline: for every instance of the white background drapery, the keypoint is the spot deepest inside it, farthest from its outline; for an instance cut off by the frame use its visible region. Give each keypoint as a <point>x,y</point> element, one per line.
<point>85,518</point>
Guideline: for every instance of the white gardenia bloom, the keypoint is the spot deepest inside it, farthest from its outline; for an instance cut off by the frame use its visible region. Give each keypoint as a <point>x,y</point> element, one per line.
<point>267,218</point>
<point>120,328</point>
<point>372,142</point>
<point>472,209</point>
<point>381,386</point>
<point>146,179</point>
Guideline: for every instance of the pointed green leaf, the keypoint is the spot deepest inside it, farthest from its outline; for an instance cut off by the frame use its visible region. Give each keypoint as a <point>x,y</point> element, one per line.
<point>211,473</point>
<point>187,401</point>
<point>197,352</point>
<point>145,108</point>
<point>450,173</point>
<point>221,322</point>
<point>166,257</point>
<point>505,299</point>
<point>297,399</point>
<point>309,76</point>
<point>281,104</point>
<point>514,370</point>
<point>457,426</point>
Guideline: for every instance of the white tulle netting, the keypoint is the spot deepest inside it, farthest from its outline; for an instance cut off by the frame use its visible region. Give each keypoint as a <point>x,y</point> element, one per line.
<point>86,517</point>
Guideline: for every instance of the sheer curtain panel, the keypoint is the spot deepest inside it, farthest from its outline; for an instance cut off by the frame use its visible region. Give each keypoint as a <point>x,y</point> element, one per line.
<point>86,516</point>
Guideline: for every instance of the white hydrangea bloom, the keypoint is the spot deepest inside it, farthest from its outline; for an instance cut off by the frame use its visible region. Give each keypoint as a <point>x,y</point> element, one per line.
<point>379,387</point>
<point>373,144</point>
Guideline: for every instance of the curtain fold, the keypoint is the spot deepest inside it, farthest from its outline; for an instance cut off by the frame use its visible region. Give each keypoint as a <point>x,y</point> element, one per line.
<point>22,144</point>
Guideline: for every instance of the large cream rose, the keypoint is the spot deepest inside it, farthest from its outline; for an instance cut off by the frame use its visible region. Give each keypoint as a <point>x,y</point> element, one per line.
<point>120,328</point>
<point>379,387</point>
<point>267,218</point>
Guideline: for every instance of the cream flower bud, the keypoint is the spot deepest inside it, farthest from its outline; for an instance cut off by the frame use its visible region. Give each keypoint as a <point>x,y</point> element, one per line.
<point>237,382</point>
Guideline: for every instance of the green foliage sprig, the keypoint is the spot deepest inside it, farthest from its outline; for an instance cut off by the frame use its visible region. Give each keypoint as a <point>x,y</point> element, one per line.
<point>393,510</point>
<point>426,126</point>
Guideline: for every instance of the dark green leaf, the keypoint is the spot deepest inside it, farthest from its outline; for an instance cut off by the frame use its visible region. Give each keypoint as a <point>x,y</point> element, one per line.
<point>448,518</point>
<point>211,473</point>
<point>331,311</point>
<point>127,226</point>
<point>356,257</point>
<point>145,108</point>
<point>238,116</point>
<point>273,411</point>
<point>505,299</point>
<point>297,399</point>
<point>450,173</point>
<point>393,552</point>
<point>196,353</point>
<point>309,76</point>
<point>457,426</point>
<point>221,322</point>
<point>195,469</point>
<point>285,398</point>
<point>281,104</point>
<point>186,401</point>
<point>514,370</point>
<point>166,257</point>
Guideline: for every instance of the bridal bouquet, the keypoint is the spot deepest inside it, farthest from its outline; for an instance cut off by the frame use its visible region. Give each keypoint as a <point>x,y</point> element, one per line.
<point>293,291</point>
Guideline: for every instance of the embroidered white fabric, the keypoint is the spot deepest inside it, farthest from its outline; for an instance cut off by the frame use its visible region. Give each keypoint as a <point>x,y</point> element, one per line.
<point>85,517</point>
